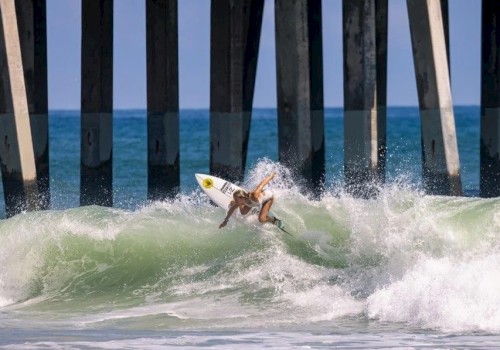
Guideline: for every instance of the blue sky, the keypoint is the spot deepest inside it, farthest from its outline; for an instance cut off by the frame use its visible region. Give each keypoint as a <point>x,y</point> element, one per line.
<point>64,37</point>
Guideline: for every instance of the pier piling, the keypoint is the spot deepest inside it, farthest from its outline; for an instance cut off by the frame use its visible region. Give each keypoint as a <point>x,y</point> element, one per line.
<point>16,149</point>
<point>445,14</point>
<point>162,99</point>
<point>32,21</point>
<point>96,177</point>
<point>299,69</point>
<point>489,180</point>
<point>381,28</point>
<point>234,50</point>
<point>441,166</point>
<point>365,80</point>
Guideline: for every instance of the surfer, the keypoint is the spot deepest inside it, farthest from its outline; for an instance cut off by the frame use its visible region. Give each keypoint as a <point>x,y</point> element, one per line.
<point>259,198</point>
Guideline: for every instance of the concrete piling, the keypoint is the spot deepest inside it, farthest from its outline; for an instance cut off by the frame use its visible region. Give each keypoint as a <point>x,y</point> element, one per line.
<point>96,177</point>
<point>445,14</point>
<point>489,179</point>
<point>16,149</point>
<point>162,99</point>
<point>381,28</point>
<point>32,21</point>
<point>365,81</point>
<point>441,165</point>
<point>234,49</point>
<point>299,69</point>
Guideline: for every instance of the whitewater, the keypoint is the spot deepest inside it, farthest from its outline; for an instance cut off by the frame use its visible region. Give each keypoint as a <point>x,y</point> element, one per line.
<point>402,270</point>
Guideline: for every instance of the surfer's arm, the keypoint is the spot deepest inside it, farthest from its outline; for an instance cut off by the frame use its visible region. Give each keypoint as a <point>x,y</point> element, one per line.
<point>233,207</point>
<point>263,183</point>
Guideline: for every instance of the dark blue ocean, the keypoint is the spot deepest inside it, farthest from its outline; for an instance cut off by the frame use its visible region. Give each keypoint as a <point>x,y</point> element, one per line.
<point>130,162</point>
<point>404,270</point>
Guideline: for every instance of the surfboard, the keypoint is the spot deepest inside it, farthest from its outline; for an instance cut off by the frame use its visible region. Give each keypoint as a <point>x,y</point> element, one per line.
<point>221,192</point>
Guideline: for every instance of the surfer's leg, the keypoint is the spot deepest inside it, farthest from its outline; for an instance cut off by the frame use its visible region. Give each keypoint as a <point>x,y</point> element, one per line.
<point>264,211</point>
<point>244,209</point>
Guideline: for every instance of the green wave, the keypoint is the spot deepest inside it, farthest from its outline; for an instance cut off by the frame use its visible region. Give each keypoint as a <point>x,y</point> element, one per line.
<point>95,258</point>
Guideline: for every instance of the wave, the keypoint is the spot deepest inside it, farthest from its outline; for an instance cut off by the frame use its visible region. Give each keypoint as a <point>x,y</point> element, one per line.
<point>427,261</point>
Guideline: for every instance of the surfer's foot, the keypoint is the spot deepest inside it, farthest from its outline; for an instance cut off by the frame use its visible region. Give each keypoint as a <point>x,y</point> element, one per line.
<point>278,223</point>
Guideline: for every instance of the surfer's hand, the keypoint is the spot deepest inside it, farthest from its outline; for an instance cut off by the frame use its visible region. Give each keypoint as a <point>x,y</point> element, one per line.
<point>224,223</point>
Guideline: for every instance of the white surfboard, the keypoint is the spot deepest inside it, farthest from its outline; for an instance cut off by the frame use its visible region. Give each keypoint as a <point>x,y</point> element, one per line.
<point>221,193</point>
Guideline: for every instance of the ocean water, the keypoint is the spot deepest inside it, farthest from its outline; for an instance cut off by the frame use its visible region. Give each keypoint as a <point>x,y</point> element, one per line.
<point>403,271</point>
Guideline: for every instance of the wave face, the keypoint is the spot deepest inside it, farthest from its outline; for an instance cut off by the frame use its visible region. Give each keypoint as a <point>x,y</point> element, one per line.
<point>404,257</point>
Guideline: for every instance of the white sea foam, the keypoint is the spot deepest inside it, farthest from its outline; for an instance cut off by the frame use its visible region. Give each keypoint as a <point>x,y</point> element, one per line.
<point>445,294</point>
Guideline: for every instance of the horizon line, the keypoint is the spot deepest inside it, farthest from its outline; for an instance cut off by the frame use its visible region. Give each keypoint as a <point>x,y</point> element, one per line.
<point>255,108</point>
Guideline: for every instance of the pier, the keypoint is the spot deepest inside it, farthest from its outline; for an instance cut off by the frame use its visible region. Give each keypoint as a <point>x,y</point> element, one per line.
<point>235,38</point>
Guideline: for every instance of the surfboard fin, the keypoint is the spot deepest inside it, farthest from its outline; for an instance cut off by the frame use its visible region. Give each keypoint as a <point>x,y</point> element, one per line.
<point>279,223</point>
